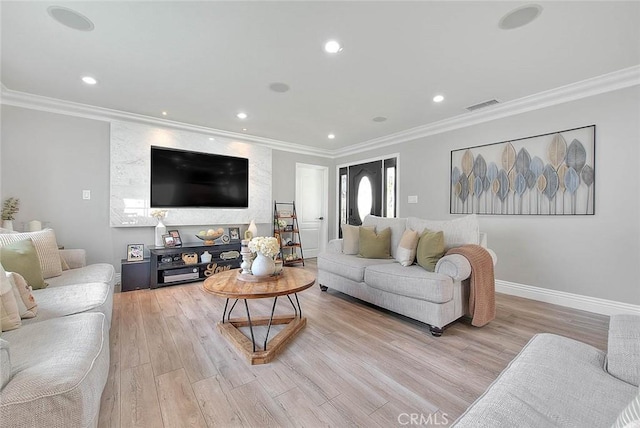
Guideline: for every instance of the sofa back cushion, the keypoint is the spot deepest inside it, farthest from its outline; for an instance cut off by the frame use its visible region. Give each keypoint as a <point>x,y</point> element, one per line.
<point>457,232</point>
<point>623,353</point>
<point>351,238</point>
<point>397,226</point>
<point>375,245</point>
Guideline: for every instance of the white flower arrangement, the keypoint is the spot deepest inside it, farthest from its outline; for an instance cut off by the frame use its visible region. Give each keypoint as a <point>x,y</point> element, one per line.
<point>282,223</point>
<point>266,245</point>
<point>158,214</point>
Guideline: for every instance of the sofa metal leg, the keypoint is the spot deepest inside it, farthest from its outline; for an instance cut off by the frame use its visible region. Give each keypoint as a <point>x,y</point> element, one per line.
<point>435,331</point>
<point>323,287</point>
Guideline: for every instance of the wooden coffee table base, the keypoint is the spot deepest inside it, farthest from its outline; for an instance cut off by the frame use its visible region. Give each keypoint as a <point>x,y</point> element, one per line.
<point>244,345</point>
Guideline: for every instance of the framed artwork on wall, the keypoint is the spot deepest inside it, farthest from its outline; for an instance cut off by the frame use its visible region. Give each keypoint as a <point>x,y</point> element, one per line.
<point>548,174</point>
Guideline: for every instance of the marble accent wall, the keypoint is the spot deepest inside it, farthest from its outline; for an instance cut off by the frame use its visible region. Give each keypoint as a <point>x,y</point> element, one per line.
<point>131,169</point>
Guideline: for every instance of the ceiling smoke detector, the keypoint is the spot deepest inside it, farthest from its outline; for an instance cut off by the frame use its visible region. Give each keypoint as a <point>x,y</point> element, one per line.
<point>483,105</point>
<point>279,87</point>
<point>70,18</point>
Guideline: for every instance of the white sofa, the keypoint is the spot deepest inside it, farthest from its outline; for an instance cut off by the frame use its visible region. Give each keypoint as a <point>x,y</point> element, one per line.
<point>560,382</point>
<point>435,298</point>
<point>59,360</point>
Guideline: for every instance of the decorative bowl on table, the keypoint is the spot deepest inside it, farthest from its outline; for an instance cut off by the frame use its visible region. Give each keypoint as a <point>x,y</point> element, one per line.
<point>210,235</point>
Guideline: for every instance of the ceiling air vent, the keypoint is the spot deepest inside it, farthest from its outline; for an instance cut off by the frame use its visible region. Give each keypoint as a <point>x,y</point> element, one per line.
<point>482,105</point>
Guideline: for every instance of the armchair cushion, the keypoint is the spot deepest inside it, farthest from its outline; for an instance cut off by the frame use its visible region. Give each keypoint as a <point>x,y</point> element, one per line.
<point>623,356</point>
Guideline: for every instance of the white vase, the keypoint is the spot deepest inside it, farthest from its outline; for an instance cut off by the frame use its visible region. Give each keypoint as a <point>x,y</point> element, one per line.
<point>161,229</point>
<point>7,224</point>
<point>205,257</point>
<point>263,265</point>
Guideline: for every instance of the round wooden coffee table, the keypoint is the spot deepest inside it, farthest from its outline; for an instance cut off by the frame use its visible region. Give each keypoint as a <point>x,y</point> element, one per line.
<point>228,285</point>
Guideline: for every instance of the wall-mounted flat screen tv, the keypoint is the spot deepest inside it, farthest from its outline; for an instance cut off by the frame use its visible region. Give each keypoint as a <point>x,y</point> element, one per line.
<point>182,179</point>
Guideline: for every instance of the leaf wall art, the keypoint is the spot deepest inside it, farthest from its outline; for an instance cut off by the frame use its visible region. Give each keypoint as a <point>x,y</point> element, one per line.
<point>548,174</point>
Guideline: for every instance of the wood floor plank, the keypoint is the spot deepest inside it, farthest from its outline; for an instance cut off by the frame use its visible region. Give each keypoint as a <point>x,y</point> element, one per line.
<point>178,403</point>
<point>258,408</point>
<point>195,358</point>
<point>162,349</point>
<point>218,406</point>
<point>352,365</point>
<point>139,400</point>
<point>134,350</point>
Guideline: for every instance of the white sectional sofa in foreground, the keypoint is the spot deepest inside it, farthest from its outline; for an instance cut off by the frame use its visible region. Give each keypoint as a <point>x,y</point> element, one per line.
<point>58,362</point>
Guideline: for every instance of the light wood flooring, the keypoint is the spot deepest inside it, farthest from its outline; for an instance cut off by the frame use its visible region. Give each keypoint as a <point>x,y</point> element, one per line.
<point>352,365</point>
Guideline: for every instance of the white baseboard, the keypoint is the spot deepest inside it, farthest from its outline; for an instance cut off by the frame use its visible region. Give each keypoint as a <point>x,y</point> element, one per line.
<point>118,278</point>
<point>570,300</point>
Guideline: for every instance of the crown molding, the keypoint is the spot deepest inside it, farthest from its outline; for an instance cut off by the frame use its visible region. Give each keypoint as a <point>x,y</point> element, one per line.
<point>54,105</point>
<point>586,88</point>
<point>620,79</point>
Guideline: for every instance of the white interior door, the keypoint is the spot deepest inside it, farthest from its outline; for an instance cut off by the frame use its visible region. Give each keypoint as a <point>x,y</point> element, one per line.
<point>311,207</point>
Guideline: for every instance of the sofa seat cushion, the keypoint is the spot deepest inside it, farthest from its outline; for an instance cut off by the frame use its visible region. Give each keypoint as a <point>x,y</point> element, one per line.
<point>73,299</point>
<point>59,368</point>
<point>98,272</point>
<point>554,381</point>
<point>411,281</point>
<point>348,266</point>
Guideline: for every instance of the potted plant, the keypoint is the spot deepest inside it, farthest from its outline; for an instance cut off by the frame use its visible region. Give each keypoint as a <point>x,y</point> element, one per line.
<point>9,210</point>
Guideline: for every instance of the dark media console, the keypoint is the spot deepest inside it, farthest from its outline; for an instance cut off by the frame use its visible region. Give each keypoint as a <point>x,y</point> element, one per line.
<point>168,266</point>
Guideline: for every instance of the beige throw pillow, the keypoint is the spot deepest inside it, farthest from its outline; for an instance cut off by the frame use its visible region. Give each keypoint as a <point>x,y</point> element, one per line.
<point>46,248</point>
<point>375,245</point>
<point>27,306</point>
<point>430,249</point>
<point>406,253</point>
<point>351,238</point>
<point>9,316</point>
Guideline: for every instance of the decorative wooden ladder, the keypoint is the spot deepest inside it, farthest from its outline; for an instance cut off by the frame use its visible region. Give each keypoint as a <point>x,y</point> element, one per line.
<point>285,228</point>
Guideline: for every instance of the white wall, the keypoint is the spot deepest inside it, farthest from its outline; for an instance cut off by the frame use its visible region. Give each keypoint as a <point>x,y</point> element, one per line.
<point>597,256</point>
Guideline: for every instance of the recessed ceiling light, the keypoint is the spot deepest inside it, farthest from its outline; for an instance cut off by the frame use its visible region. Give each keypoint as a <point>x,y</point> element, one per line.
<point>331,136</point>
<point>89,80</point>
<point>241,115</point>
<point>520,17</point>
<point>164,113</point>
<point>379,119</point>
<point>70,18</point>
<point>438,99</point>
<point>244,129</point>
<point>279,87</point>
<point>332,46</point>
<point>212,139</point>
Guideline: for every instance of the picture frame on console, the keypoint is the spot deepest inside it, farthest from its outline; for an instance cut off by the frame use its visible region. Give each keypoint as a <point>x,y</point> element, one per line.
<point>234,233</point>
<point>135,252</point>
<point>168,240</point>
<point>177,241</point>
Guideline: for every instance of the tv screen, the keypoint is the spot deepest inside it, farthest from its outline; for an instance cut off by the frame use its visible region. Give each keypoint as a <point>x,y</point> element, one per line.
<point>181,179</point>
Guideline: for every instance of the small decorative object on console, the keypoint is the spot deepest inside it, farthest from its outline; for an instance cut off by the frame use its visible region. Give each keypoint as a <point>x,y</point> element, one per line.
<point>190,258</point>
<point>209,237</point>
<point>205,257</point>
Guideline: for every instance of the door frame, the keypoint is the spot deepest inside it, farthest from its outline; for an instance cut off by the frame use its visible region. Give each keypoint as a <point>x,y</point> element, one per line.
<point>324,229</point>
<point>357,162</point>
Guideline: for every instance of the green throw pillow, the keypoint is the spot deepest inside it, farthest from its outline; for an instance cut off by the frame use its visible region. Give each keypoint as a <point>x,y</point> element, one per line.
<point>430,249</point>
<point>375,245</point>
<point>21,257</point>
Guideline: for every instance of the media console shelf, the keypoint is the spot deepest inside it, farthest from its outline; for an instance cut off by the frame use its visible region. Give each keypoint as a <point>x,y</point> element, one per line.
<point>168,267</point>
